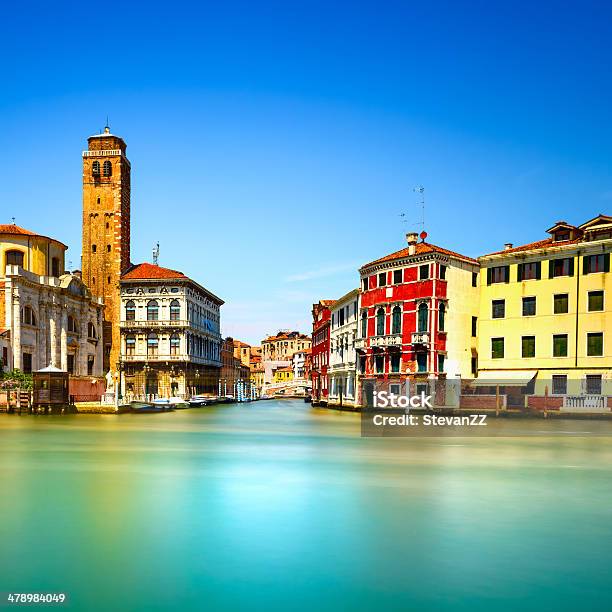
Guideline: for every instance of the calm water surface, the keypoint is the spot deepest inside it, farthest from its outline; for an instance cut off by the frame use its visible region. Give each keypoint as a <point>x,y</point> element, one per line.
<point>275,505</point>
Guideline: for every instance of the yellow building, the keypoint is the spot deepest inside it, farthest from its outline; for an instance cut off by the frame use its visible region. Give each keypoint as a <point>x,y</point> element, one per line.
<point>283,375</point>
<point>545,317</point>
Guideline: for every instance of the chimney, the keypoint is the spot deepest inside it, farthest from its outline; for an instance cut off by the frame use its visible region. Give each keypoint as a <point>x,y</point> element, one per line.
<point>508,246</point>
<point>411,239</point>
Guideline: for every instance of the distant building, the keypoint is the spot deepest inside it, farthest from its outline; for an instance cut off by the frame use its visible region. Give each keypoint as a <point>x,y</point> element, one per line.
<point>170,334</point>
<point>277,351</point>
<point>321,317</point>
<point>235,378</point>
<point>47,315</point>
<point>342,354</point>
<point>284,374</point>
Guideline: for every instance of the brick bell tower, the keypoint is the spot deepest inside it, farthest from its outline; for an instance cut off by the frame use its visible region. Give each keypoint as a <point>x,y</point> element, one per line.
<point>106,231</point>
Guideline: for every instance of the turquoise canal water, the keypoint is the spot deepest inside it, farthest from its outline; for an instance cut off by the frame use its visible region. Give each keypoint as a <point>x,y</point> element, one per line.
<point>275,505</point>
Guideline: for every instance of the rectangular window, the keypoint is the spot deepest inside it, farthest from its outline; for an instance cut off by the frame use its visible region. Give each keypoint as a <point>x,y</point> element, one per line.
<point>424,272</point>
<point>382,279</point>
<point>596,263</point>
<point>70,364</point>
<point>474,326</point>
<point>90,364</point>
<point>474,365</point>
<point>440,364</point>
<point>560,345</point>
<point>395,389</point>
<point>596,301</point>
<point>379,362</point>
<point>529,306</point>
<point>362,364</point>
<point>422,362</point>
<point>474,279</point>
<point>561,303</point>
<point>395,363</point>
<point>500,274</point>
<point>498,309</point>
<point>561,267</point>
<point>364,283</point>
<point>442,272</point>
<point>528,346</point>
<point>27,362</point>
<point>593,384</point>
<point>529,271</point>
<point>497,348</point>
<point>595,344</point>
<point>559,384</point>
<point>397,277</point>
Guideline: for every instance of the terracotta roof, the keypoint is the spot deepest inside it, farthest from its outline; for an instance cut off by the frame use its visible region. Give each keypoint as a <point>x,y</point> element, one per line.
<point>285,369</point>
<point>327,302</point>
<point>538,244</point>
<point>145,271</point>
<point>421,249</point>
<point>15,230</point>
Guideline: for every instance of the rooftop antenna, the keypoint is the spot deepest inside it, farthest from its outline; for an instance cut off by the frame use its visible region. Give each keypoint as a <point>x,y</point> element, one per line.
<point>421,190</point>
<point>156,254</point>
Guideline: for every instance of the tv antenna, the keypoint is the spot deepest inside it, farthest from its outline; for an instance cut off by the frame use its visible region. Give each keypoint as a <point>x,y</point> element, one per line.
<point>156,254</point>
<point>419,189</point>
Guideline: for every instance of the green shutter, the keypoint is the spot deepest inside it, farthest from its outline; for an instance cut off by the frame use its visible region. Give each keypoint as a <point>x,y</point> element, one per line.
<point>550,268</point>
<point>607,262</point>
<point>538,270</point>
<point>519,272</point>
<point>507,274</point>
<point>489,275</point>
<point>585,260</point>
<point>571,266</point>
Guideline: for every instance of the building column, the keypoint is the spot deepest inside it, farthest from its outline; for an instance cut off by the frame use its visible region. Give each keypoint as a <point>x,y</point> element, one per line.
<point>83,344</point>
<point>63,339</point>
<point>41,356</point>
<point>52,336</point>
<point>16,332</point>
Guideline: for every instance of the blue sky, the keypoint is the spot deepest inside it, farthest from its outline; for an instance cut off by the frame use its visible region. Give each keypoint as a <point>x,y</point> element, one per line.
<point>274,145</point>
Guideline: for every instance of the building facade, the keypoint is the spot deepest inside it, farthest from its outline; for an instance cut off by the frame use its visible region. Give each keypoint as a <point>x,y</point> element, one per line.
<point>106,231</point>
<point>419,307</point>
<point>342,353</point>
<point>170,334</point>
<point>545,317</point>
<point>48,315</point>
<point>235,377</point>
<point>321,317</point>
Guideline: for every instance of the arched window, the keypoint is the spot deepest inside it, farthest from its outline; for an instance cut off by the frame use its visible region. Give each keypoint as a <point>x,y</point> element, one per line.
<point>380,322</point>
<point>91,330</point>
<point>14,258</point>
<point>441,316</point>
<point>364,324</point>
<point>175,344</point>
<point>152,345</point>
<point>422,317</point>
<point>72,325</point>
<point>130,345</point>
<point>108,168</point>
<point>152,310</point>
<point>175,310</point>
<point>95,168</point>
<point>28,316</point>
<point>130,311</point>
<point>396,324</point>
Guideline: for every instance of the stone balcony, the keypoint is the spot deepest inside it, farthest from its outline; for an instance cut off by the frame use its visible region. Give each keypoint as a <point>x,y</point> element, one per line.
<point>383,341</point>
<point>144,324</point>
<point>420,338</point>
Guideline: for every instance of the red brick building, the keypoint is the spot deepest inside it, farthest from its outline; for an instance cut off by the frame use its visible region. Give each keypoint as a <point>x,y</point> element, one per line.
<point>321,315</point>
<point>418,313</point>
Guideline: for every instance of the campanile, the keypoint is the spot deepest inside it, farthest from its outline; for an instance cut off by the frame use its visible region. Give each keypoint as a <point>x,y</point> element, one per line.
<point>106,230</point>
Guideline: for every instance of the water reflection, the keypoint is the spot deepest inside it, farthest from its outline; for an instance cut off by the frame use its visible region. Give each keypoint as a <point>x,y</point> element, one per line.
<point>275,504</point>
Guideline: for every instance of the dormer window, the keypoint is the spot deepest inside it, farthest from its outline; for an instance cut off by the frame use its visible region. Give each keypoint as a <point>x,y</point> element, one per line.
<point>560,236</point>
<point>95,168</point>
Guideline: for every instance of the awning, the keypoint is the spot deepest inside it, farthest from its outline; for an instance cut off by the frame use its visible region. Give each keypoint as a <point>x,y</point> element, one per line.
<point>504,378</point>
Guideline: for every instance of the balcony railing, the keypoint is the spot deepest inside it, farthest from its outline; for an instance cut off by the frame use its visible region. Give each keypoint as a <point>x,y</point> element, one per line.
<point>162,358</point>
<point>420,338</point>
<point>143,324</point>
<point>386,340</point>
